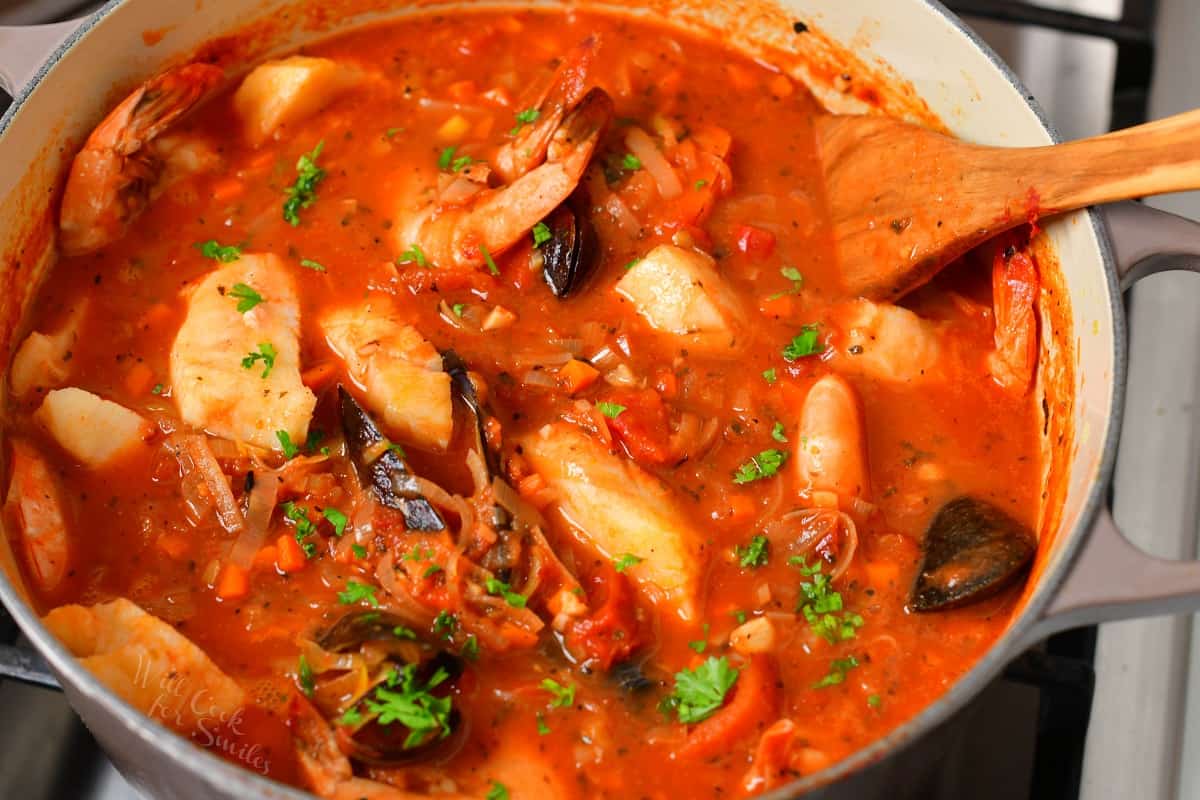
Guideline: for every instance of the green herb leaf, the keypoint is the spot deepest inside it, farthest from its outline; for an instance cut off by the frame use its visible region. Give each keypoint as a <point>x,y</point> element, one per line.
<point>564,696</point>
<point>445,623</point>
<point>528,115</point>
<point>541,234</point>
<point>700,184</point>
<point>448,162</point>
<point>266,353</point>
<point>822,606</point>
<point>285,443</point>
<point>631,264</point>
<point>502,589</point>
<point>792,274</point>
<point>431,570</point>
<point>356,592</point>
<point>158,389</point>
<point>458,309</point>
<point>213,249</point>
<point>313,265</point>
<point>470,648</point>
<point>700,692</point>
<point>498,792</point>
<point>303,193</point>
<point>740,616</point>
<point>610,410</point>
<point>446,156</point>
<point>305,674</point>
<point>542,727</point>
<point>769,375</point>
<point>487,257</point>
<point>778,434</point>
<point>803,344</point>
<point>754,555</point>
<point>700,645</point>
<point>404,632</point>
<point>407,700</point>
<point>874,701</point>
<point>358,550</point>
<point>390,132</point>
<point>247,298</point>
<point>631,162</point>
<point>413,255</point>
<point>337,519</point>
<point>351,716</point>
<point>626,560</point>
<point>837,672</point>
<point>763,465</point>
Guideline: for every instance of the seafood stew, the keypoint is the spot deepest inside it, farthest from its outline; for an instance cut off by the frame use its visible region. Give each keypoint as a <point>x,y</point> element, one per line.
<point>462,407</point>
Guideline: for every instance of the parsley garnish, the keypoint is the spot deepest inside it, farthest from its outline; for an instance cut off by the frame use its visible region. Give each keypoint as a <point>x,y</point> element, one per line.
<point>356,593</point>
<point>769,375</point>
<point>246,296</point>
<point>158,389</point>
<point>447,162</point>
<point>739,615</point>
<point>837,672</point>
<point>337,519</point>
<point>625,561</point>
<point>793,275</point>
<point>358,550</point>
<point>431,570</point>
<point>822,606</point>
<point>803,344</point>
<point>778,434</point>
<point>351,716</point>
<point>406,700</point>
<point>303,193</point>
<point>755,554</point>
<point>631,264</point>
<point>564,696</point>
<point>487,257</point>
<point>498,791</point>
<point>524,118</point>
<point>305,674</point>
<point>542,727</point>
<point>700,645</point>
<point>296,514</point>
<point>413,255</point>
<point>701,691</point>
<point>470,648</point>
<point>313,265</point>
<point>610,410</point>
<point>225,253</point>
<point>266,353</point>
<point>285,443</point>
<point>404,632</point>
<point>502,589</point>
<point>631,162</point>
<point>541,234</point>
<point>874,701</point>
<point>458,309</point>
<point>390,132</point>
<point>700,184</point>
<point>445,623</point>
<point>763,465</point>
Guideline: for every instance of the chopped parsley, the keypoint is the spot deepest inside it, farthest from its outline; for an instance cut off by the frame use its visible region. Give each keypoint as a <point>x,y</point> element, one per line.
<point>498,791</point>
<point>351,716</point>
<point>407,700</point>
<point>631,264</point>
<point>793,275</point>
<point>564,696</point>
<point>610,410</point>
<point>246,296</point>
<point>769,375</point>
<point>700,184</point>
<point>285,443</point>
<point>303,193</point>
<point>305,675</point>
<point>158,389</point>
<point>626,560</point>
<point>631,162</point>
<point>803,344</point>
<point>390,132</point>
<point>487,257</point>
<point>874,701</point>
<point>404,632</point>
<point>541,234</point>
<point>225,253</point>
<point>448,162</point>
<point>445,624</point>
<point>837,672</point>
<point>266,353</point>
<point>763,465</point>
<point>337,519</point>
<point>356,592</point>
<point>470,648</point>
<point>739,615</point>
<point>502,589</point>
<point>700,645</point>
<point>701,691</point>
<point>313,265</point>
<point>778,433</point>
<point>431,570</point>
<point>822,606</point>
<point>458,309</point>
<point>524,118</point>
<point>358,550</point>
<point>542,727</point>
<point>755,554</point>
<point>413,255</point>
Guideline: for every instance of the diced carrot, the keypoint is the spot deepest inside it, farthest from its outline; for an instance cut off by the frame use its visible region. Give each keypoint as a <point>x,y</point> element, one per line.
<point>712,139</point>
<point>780,86</point>
<point>755,242</point>
<point>755,701</point>
<point>265,557</point>
<point>226,189</point>
<point>232,583</point>
<point>881,573</point>
<point>809,760</point>
<point>461,91</point>
<point>317,376</point>
<point>173,544</point>
<point>156,314</point>
<point>741,507</point>
<point>291,557</point>
<point>139,379</point>
<point>742,78</point>
<point>782,305</point>
<point>576,375</point>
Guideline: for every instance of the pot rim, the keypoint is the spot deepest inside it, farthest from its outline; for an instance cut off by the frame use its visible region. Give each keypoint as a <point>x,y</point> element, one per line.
<point>212,770</point>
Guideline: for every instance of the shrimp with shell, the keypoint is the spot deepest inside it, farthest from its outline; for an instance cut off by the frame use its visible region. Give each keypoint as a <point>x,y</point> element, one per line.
<point>114,176</point>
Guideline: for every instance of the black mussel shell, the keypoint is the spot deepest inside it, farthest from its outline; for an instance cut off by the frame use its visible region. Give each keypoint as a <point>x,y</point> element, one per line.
<point>972,549</point>
<point>572,253</point>
<point>629,677</point>
<point>358,627</point>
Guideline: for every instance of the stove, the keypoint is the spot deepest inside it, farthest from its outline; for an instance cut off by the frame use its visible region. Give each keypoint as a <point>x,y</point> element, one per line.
<point>1088,715</point>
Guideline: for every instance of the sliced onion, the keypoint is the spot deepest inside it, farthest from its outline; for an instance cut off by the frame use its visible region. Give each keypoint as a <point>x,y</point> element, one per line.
<point>572,346</point>
<point>654,162</point>
<point>259,509</point>
<point>605,358</point>
<point>625,219</point>
<point>848,548</point>
<point>622,375</point>
<point>199,462</point>
<point>538,377</point>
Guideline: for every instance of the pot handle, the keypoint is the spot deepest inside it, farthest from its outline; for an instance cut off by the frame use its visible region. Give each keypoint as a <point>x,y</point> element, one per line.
<point>25,48</point>
<point>1111,578</point>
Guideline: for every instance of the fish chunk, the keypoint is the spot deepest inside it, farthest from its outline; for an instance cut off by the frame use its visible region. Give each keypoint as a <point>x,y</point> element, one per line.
<point>889,343</point>
<point>399,371</point>
<point>679,292</point>
<point>287,90</point>
<point>217,382</point>
<point>35,503</point>
<point>93,430</point>
<point>43,360</point>
<point>148,663</point>
<point>619,508</point>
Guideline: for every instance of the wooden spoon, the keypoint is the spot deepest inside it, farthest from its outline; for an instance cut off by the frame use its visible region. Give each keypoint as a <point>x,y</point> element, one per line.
<point>905,201</point>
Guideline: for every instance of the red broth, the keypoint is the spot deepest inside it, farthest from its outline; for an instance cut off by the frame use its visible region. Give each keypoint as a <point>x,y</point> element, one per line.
<point>937,424</point>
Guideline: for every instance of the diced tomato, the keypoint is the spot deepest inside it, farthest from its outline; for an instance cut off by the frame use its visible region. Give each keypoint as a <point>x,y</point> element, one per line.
<point>755,242</point>
<point>609,634</point>
<point>643,427</point>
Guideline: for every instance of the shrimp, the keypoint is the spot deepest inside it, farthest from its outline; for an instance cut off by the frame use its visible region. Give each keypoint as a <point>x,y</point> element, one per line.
<point>831,453</point>
<point>35,502</point>
<point>148,663</point>
<point>466,233</point>
<point>112,177</point>
<point>528,147</point>
<point>1014,295</point>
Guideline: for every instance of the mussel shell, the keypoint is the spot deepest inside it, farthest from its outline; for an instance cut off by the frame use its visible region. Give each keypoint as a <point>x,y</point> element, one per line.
<point>572,253</point>
<point>972,549</point>
<point>388,475</point>
<point>358,627</point>
<point>629,677</point>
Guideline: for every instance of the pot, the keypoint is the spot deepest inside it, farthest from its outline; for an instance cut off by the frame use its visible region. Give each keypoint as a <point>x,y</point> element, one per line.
<point>64,75</point>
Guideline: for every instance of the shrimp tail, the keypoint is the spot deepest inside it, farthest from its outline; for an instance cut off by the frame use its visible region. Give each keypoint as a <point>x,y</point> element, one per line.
<point>1014,297</point>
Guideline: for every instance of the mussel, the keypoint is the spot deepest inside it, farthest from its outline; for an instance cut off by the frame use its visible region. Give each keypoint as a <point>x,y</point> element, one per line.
<point>383,468</point>
<point>572,253</point>
<point>972,549</point>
